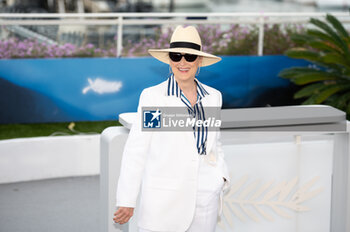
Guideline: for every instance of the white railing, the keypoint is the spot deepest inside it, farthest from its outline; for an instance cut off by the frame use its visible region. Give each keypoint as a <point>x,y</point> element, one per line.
<point>121,19</point>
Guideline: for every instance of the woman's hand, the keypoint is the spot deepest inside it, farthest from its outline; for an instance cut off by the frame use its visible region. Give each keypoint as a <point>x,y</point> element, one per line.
<point>123,214</point>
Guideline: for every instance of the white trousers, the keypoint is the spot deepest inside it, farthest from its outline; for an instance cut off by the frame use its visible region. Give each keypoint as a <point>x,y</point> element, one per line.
<point>210,184</point>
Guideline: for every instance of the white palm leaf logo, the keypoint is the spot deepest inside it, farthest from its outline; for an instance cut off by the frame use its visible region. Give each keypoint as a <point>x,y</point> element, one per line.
<point>102,86</point>
<point>259,196</point>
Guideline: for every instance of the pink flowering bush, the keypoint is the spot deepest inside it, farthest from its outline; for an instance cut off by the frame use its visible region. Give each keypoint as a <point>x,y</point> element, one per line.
<point>236,40</point>
<point>15,48</point>
<point>140,48</point>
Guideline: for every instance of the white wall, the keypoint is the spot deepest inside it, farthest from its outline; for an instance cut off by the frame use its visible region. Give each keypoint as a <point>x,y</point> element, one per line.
<point>37,158</point>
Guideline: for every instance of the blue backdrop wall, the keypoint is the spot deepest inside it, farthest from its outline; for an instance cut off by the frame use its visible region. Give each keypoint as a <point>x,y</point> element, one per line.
<point>79,89</point>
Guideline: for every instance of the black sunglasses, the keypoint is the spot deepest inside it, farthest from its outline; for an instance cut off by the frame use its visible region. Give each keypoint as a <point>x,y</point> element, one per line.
<point>176,57</point>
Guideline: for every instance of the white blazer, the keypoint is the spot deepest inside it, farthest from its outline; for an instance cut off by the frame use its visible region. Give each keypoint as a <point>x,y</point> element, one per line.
<point>165,166</point>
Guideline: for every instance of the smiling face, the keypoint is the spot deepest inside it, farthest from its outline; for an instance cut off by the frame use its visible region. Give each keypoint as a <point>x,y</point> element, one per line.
<point>184,70</point>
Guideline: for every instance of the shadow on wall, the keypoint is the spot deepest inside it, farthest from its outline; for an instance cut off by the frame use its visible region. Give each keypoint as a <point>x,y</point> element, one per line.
<point>278,96</point>
<point>20,105</point>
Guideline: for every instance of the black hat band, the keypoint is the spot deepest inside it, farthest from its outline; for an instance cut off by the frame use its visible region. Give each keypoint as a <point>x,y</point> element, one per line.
<point>185,45</point>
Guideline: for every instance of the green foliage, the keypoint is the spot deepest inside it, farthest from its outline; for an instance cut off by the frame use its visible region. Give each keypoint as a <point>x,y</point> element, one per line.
<point>328,80</point>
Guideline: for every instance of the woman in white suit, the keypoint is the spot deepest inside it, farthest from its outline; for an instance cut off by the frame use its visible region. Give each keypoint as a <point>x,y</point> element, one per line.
<point>182,175</point>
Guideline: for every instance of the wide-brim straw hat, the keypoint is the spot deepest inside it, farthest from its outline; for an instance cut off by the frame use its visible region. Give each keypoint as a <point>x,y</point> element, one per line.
<point>185,40</point>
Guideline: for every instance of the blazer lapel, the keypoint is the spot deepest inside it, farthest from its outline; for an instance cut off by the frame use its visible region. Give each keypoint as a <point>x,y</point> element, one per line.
<point>211,133</point>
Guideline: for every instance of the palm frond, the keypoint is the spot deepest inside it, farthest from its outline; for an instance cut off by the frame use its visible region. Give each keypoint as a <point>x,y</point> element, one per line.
<point>293,71</point>
<point>337,25</point>
<point>344,100</point>
<point>340,101</point>
<point>326,92</point>
<point>330,31</point>
<point>323,46</point>
<point>299,53</point>
<point>309,90</point>
<point>336,59</point>
<point>327,47</point>
<point>347,109</point>
<point>310,101</point>
<point>317,34</point>
<point>333,100</point>
<point>312,56</point>
<point>306,78</point>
